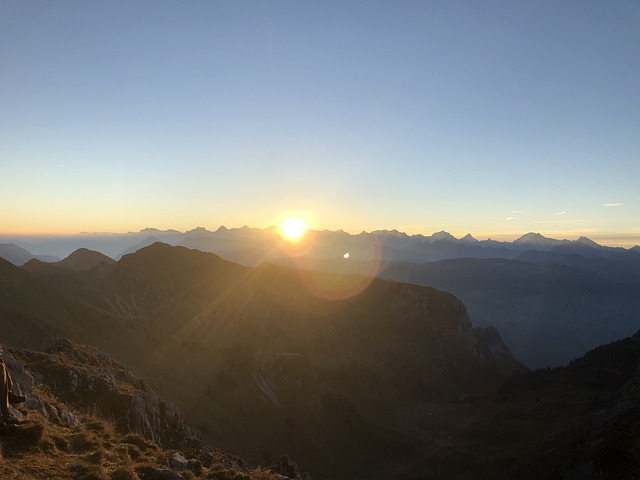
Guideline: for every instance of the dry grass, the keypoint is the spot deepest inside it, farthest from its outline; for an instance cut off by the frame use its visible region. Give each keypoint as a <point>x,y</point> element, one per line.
<point>40,448</point>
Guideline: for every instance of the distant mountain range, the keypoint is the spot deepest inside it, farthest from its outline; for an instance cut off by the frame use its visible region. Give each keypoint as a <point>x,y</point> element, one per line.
<point>19,256</point>
<point>552,300</point>
<point>252,246</point>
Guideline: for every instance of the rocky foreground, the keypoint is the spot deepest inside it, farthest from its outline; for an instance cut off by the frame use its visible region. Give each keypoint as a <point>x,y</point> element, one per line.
<point>88,417</point>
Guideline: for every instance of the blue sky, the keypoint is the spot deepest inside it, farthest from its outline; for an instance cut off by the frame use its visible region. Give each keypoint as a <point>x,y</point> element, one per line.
<point>495,118</point>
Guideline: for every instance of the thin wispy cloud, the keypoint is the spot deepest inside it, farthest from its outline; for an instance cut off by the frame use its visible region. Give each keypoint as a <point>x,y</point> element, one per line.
<point>517,211</point>
<point>511,218</point>
<point>559,213</point>
<point>546,222</point>
<point>612,204</point>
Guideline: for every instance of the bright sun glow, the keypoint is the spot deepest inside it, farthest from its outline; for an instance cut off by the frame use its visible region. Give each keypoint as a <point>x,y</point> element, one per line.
<point>293,228</point>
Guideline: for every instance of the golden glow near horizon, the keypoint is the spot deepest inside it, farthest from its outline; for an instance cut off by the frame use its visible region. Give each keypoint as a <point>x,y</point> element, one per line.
<point>293,228</point>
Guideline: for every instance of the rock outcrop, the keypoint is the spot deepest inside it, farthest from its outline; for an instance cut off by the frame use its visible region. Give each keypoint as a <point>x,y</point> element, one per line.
<point>88,379</point>
<point>80,401</point>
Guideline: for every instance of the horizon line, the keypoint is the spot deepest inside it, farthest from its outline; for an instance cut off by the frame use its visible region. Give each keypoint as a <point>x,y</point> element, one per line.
<point>609,238</point>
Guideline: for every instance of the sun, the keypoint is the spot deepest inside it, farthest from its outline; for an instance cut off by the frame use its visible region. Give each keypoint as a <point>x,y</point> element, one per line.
<point>293,228</point>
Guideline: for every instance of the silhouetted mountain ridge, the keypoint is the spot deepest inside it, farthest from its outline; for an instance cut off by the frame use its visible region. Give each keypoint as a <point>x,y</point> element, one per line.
<point>84,259</point>
<point>393,244</point>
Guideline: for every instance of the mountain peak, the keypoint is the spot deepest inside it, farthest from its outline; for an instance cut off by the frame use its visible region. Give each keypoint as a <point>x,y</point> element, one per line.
<point>442,235</point>
<point>389,233</point>
<point>468,238</point>
<point>84,259</point>
<point>199,231</point>
<point>534,238</point>
<point>588,242</point>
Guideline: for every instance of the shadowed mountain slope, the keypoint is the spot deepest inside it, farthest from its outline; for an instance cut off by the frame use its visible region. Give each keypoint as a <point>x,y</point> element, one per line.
<point>390,382</point>
<point>88,417</point>
<point>571,423</point>
<point>274,360</point>
<point>34,313</point>
<point>600,393</point>
<point>595,303</point>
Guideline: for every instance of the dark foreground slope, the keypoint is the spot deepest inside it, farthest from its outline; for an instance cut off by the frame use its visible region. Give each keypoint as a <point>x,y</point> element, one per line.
<point>273,361</point>
<point>576,422</point>
<point>89,418</point>
<point>603,388</point>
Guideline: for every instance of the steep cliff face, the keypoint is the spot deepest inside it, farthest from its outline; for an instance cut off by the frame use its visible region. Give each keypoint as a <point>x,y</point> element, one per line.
<point>490,347</point>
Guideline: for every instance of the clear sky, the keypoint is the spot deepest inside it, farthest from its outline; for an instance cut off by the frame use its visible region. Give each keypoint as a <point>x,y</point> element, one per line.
<point>489,117</point>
